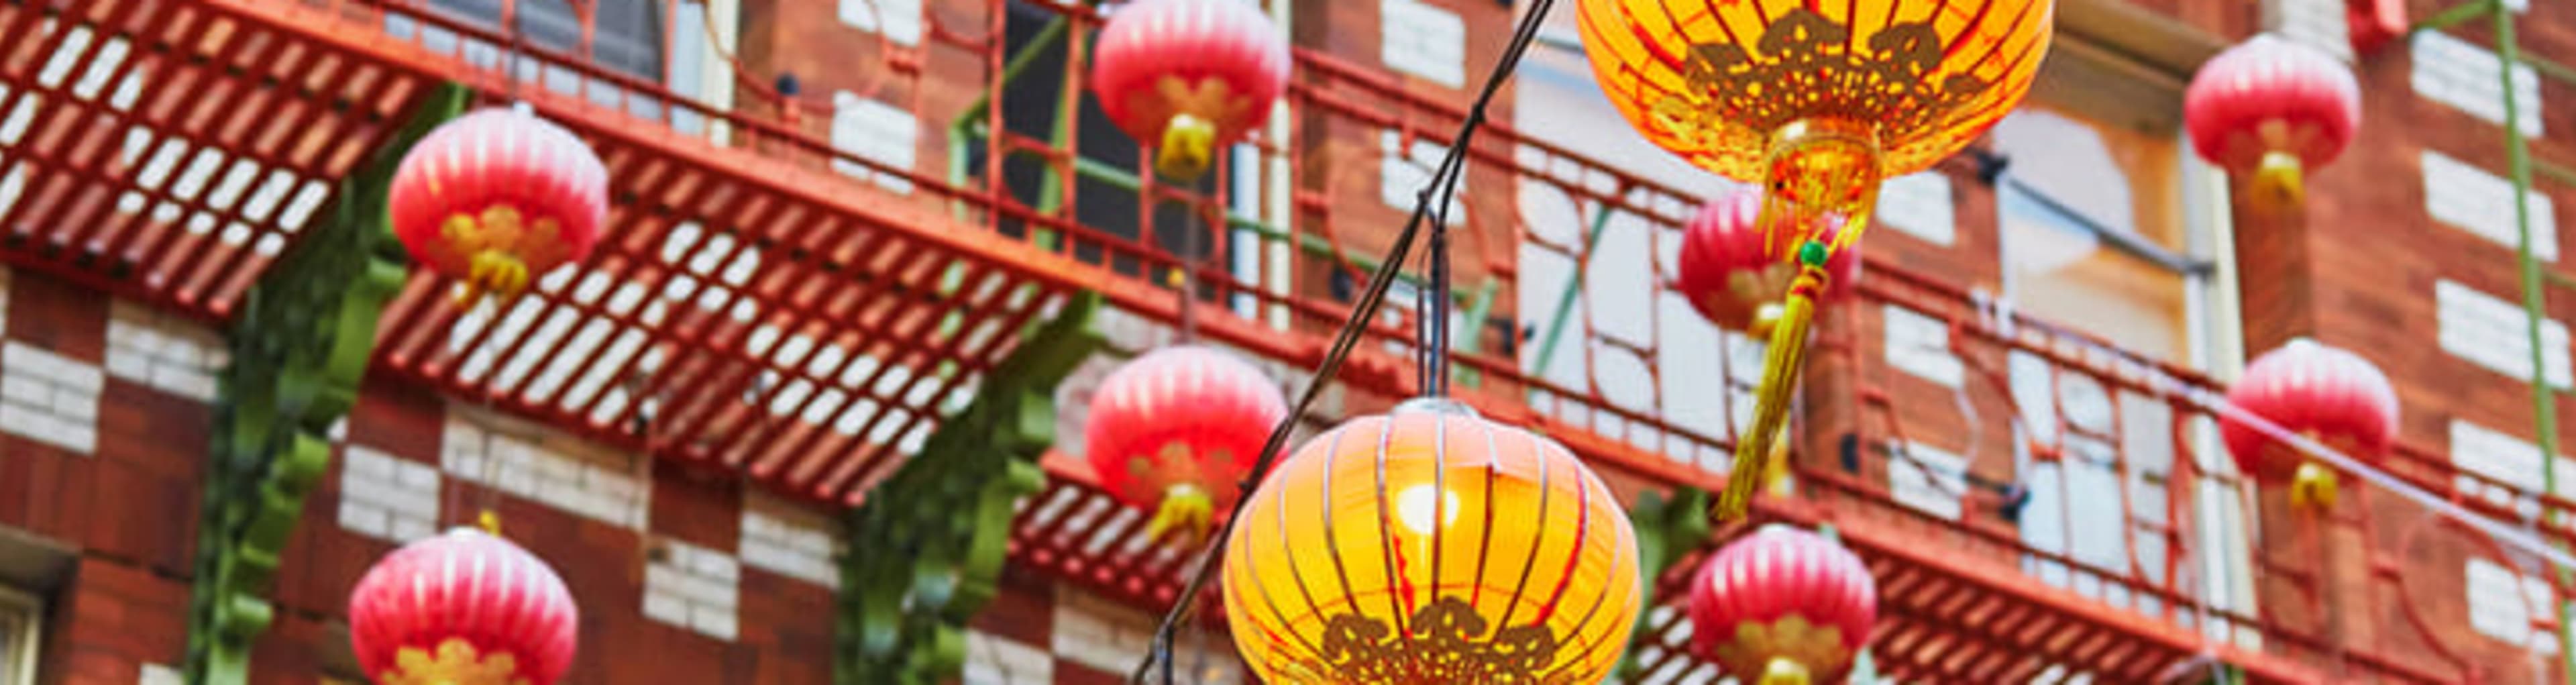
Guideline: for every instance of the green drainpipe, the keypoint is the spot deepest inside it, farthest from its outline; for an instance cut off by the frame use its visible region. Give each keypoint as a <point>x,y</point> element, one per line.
<point>2535,299</point>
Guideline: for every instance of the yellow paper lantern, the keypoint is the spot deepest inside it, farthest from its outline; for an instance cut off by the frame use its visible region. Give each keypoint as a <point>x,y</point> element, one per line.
<point>1817,102</point>
<point>1432,546</point>
<point>1806,95</point>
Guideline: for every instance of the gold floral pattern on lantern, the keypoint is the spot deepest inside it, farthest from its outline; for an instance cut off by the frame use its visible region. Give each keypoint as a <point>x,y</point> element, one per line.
<point>502,227</point>
<point>456,663</point>
<point>1444,642</point>
<point>1813,64</point>
<point>1791,638</point>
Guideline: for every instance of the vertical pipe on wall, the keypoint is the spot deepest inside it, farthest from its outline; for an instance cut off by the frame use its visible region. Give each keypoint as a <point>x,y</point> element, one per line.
<point>2535,300</point>
<point>1279,208</point>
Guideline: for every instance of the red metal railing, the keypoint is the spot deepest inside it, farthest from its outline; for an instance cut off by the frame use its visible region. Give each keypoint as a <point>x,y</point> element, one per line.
<point>752,322</point>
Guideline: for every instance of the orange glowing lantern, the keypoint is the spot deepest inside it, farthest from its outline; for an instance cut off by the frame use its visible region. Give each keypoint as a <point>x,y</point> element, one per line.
<point>1189,75</point>
<point>2326,393</point>
<point>496,197</point>
<point>464,608</point>
<point>2273,108</point>
<point>1817,102</point>
<point>1432,546</point>
<point>1783,607</point>
<point>1173,430</point>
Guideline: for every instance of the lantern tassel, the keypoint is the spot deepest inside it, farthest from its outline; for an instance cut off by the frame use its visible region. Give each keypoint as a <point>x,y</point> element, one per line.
<point>2315,486</point>
<point>2280,182</point>
<point>1186,510</point>
<point>494,272</point>
<point>1188,146</point>
<point>1780,371</point>
<point>1784,671</point>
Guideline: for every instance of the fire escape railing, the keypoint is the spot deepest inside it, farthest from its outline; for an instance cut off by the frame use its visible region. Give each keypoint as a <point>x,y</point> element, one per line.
<point>2162,568</point>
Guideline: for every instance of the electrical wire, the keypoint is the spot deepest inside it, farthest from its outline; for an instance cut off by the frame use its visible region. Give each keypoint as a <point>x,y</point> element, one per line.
<point>1443,184</point>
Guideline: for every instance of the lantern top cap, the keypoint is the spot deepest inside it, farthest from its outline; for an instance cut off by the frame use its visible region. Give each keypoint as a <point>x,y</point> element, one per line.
<point>1436,405</point>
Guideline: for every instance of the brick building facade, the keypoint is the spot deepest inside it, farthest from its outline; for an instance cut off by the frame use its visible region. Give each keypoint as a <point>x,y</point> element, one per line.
<point>2404,255</point>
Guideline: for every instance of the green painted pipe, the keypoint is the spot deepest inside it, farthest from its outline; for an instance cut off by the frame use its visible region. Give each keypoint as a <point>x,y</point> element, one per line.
<point>2535,300</point>
<point>1565,298</point>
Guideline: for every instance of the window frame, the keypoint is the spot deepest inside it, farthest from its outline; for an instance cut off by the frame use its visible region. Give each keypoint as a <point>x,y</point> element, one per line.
<point>22,623</point>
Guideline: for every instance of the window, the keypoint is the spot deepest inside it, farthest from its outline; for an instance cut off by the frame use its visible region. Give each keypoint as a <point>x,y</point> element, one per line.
<point>2093,235</point>
<point>627,35</point>
<point>21,621</point>
<point>1105,198</point>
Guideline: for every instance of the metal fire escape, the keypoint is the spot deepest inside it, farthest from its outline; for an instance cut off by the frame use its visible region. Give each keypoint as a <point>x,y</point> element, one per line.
<point>810,317</point>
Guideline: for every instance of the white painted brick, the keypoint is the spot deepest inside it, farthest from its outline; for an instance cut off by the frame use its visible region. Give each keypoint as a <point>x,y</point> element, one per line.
<point>717,566</point>
<point>666,607</point>
<point>1920,345</point>
<point>408,530</point>
<point>43,364</point>
<point>2317,23</point>
<point>2492,332</point>
<point>556,469</point>
<point>877,131</point>
<point>362,461</point>
<point>1424,39</point>
<point>2481,203</point>
<point>2458,73</point>
<point>27,390</point>
<point>156,674</point>
<point>2502,601</point>
<point>416,475</point>
<point>995,660</point>
<point>1935,488</point>
<point>465,465</point>
<point>191,384</point>
<point>713,621</point>
<point>899,20</point>
<point>1919,205</point>
<point>127,364</point>
<point>2504,458</point>
<point>364,519</point>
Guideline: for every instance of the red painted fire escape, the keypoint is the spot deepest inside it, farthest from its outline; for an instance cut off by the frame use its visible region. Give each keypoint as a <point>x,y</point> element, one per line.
<point>777,316</point>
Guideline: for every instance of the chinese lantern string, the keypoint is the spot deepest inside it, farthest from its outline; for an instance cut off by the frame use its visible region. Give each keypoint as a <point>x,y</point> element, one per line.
<point>1443,184</point>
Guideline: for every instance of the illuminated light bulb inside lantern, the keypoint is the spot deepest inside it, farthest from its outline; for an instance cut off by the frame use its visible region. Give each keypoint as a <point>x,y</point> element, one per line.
<point>1413,508</point>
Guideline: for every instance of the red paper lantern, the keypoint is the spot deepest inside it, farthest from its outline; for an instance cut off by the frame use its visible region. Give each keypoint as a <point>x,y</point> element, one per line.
<point>464,608</point>
<point>1783,607</point>
<point>1173,430</point>
<point>1189,75</point>
<point>1731,271</point>
<point>2325,393</point>
<point>2273,108</point>
<point>498,196</point>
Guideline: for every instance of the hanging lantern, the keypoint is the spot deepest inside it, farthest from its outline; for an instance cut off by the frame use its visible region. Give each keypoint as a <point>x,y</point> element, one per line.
<point>2273,108</point>
<point>1817,102</point>
<point>464,608</point>
<point>1432,546</point>
<point>1737,279</point>
<point>1174,430</point>
<point>1189,76</point>
<point>1783,607</point>
<point>496,197</point>
<point>2328,394</point>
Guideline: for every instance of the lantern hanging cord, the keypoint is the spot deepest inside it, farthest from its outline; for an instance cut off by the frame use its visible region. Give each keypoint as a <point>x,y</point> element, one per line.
<point>1443,184</point>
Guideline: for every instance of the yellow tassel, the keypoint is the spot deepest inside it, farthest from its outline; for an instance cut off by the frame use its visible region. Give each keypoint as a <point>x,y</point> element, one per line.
<point>2314,488</point>
<point>1780,372</point>
<point>2279,184</point>
<point>1187,147</point>
<point>1185,509</point>
<point>1783,671</point>
<point>497,273</point>
<point>489,521</point>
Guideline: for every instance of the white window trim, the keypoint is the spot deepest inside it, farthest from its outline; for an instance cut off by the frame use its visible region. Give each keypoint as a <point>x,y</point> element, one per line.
<point>18,648</point>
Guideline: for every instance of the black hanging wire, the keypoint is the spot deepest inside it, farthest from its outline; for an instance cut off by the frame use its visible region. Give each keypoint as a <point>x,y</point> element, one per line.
<point>1443,186</point>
